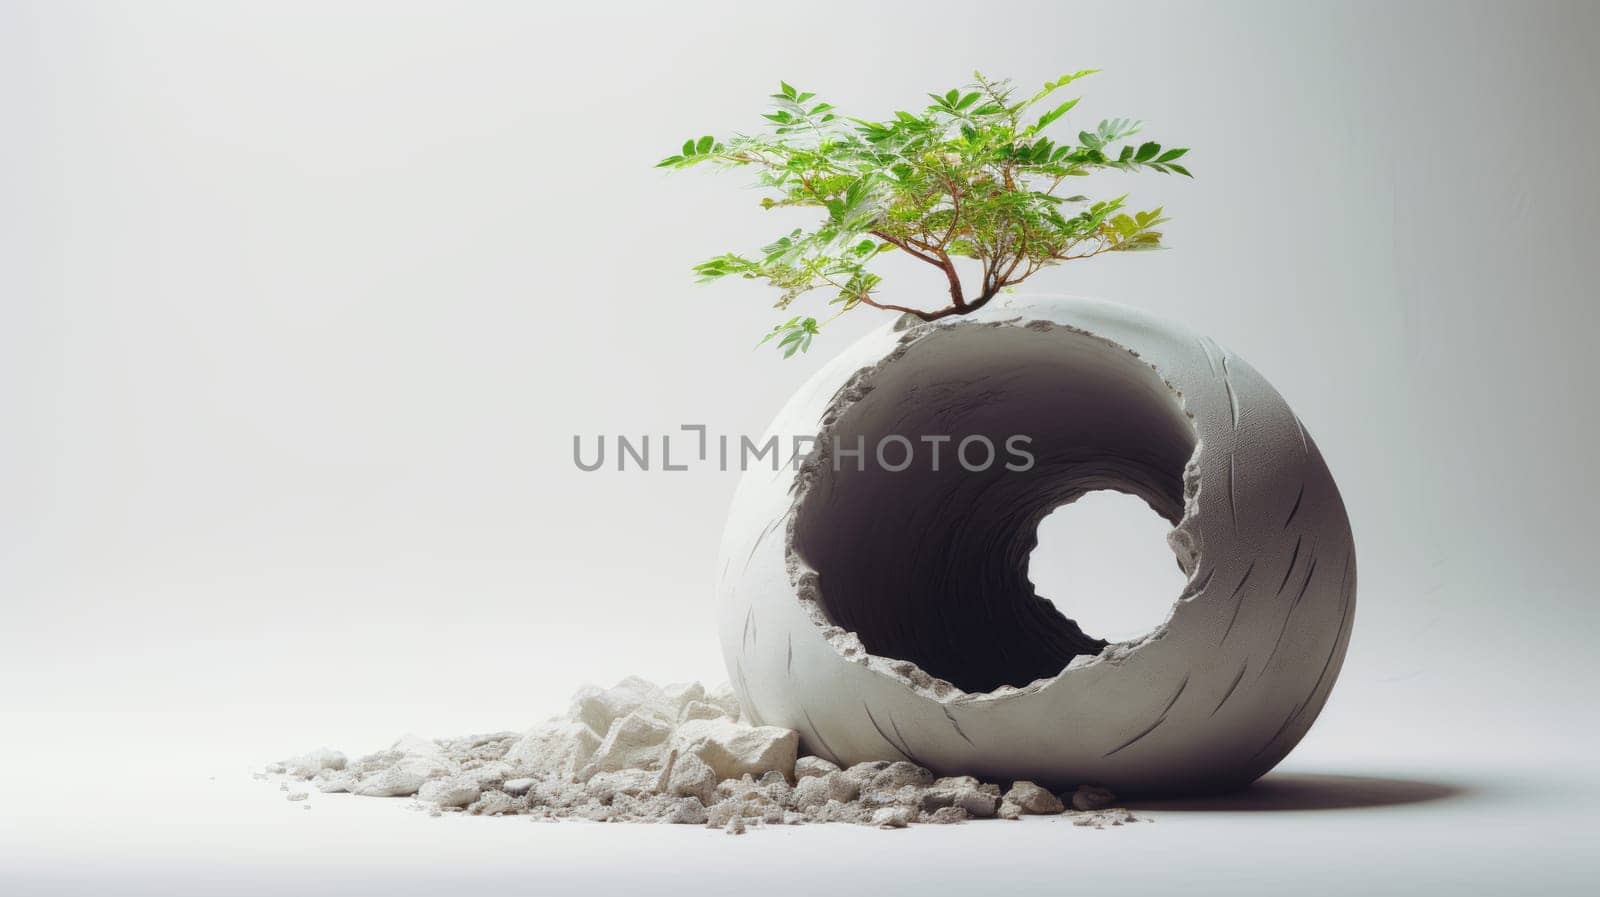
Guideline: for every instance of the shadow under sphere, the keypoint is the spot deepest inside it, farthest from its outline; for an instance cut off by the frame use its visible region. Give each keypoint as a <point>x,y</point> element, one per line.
<point>1314,791</point>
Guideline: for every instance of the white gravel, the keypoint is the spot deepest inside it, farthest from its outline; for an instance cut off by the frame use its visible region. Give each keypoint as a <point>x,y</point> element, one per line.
<point>638,752</point>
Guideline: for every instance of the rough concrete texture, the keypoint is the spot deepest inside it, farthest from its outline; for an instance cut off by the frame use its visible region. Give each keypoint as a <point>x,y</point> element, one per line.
<point>1088,797</point>
<point>733,749</point>
<point>1030,798</point>
<point>449,792</point>
<point>666,763</point>
<point>889,614</point>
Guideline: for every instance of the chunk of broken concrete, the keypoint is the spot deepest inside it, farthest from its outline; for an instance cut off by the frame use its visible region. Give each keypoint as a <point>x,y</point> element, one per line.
<point>605,786</point>
<point>842,786</point>
<point>685,811</point>
<point>945,816</point>
<point>733,750</point>
<point>973,797</point>
<point>1103,818</point>
<point>682,694</point>
<point>634,742</point>
<point>723,697</point>
<point>693,777</point>
<point>403,779</point>
<point>807,767</point>
<point>810,793</point>
<point>599,708</point>
<point>899,774</point>
<point>892,817</point>
<point>702,710</point>
<point>494,803</point>
<point>1090,797</point>
<point>1030,798</point>
<point>554,749</point>
<point>451,791</point>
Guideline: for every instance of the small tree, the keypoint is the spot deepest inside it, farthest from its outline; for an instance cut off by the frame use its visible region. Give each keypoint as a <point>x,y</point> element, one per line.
<point>971,176</point>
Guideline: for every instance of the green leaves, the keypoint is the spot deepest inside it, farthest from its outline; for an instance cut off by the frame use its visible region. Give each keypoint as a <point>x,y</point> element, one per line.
<point>693,151</point>
<point>787,92</point>
<point>1049,118</point>
<point>1129,232</point>
<point>955,102</point>
<point>1052,86</point>
<point>1150,155</point>
<point>973,174</point>
<point>722,266</point>
<point>1108,131</point>
<point>793,335</point>
<point>1164,162</point>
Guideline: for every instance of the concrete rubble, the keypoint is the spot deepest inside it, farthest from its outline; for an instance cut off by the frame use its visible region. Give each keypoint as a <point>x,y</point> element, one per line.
<point>679,754</point>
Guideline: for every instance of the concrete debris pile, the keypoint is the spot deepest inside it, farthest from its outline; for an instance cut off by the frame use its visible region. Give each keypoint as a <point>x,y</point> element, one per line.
<point>638,752</point>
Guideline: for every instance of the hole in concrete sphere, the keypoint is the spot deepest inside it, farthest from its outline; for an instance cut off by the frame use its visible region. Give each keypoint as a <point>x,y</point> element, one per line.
<point>930,563</point>
<point>1104,561</point>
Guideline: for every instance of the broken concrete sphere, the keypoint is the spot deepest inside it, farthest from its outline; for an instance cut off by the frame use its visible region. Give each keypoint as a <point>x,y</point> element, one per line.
<point>888,614</point>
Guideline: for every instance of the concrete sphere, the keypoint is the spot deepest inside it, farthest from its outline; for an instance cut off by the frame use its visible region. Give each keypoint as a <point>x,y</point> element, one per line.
<point>883,608</point>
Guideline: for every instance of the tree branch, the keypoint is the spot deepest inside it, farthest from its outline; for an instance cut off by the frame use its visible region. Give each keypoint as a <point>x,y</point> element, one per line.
<point>959,301</point>
<point>924,315</point>
<point>904,246</point>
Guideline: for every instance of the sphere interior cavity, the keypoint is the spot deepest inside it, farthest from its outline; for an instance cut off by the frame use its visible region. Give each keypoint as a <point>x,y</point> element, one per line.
<point>929,563</point>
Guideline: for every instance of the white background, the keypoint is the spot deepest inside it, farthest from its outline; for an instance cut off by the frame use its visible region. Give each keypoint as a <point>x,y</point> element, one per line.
<point>301,305</point>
